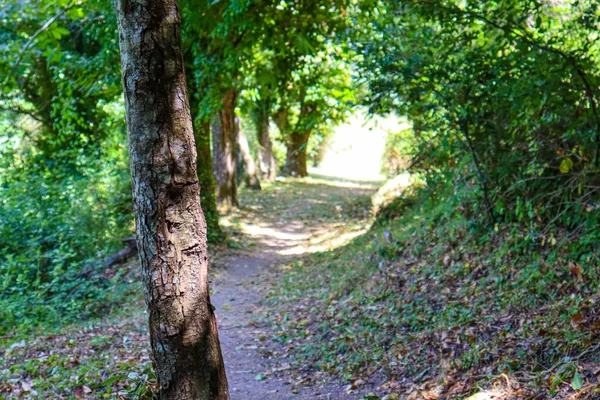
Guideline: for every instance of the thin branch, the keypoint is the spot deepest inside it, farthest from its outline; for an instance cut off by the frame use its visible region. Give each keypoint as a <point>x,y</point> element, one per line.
<point>579,201</point>
<point>18,110</point>
<point>464,128</point>
<point>33,37</point>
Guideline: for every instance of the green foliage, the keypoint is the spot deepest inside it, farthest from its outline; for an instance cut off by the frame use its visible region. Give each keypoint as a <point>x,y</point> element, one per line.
<point>398,152</point>
<point>66,200</point>
<point>57,224</point>
<point>318,95</point>
<point>60,76</point>
<point>299,70</point>
<point>503,100</point>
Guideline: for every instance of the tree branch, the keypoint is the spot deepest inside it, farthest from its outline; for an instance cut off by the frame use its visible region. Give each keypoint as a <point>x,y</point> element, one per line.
<point>33,37</point>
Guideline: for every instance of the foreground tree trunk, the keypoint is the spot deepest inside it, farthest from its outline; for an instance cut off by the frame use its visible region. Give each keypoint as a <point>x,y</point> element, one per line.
<point>171,231</point>
<point>224,151</point>
<point>266,160</point>
<point>249,166</point>
<point>295,162</point>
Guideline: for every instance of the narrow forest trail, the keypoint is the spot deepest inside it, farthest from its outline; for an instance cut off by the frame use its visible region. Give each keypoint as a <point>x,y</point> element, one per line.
<point>289,219</point>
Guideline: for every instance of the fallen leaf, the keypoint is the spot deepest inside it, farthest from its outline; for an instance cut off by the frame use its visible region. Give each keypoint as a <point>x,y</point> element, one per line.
<point>577,382</point>
<point>577,319</point>
<point>577,271</point>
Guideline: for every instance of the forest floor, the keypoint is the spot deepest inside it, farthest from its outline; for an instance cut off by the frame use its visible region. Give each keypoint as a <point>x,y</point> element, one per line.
<point>109,357</point>
<point>317,299</point>
<point>276,227</point>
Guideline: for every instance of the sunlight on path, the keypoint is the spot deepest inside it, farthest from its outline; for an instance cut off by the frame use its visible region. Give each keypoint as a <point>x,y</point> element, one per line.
<point>310,215</point>
<point>357,147</point>
<point>276,226</point>
<point>301,241</point>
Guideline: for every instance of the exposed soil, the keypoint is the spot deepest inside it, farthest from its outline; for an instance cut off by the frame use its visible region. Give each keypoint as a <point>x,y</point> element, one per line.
<point>276,233</point>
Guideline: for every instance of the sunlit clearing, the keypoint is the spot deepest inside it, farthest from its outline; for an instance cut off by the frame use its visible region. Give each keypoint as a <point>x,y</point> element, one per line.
<point>357,146</point>
<point>295,238</point>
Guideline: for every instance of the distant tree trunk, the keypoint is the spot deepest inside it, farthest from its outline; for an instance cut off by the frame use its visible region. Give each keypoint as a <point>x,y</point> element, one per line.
<point>249,167</point>
<point>295,163</point>
<point>224,149</point>
<point>266,160</point>
<point>207,182</point>
<point>171,230</point>
<point>204,160</point>
<point>40,93</point>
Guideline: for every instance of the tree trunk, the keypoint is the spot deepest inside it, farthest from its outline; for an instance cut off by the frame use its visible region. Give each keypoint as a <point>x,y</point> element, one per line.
<point>206,179</point>
<point>249,167</point>
<point>207,182</point>
<point>266,160</point>
<point>224,149</point>
<point>295,163</point>
<point>171,230</point>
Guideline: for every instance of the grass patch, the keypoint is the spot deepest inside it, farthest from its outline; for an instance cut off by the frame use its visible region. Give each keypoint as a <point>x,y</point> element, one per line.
<point>440,307</point>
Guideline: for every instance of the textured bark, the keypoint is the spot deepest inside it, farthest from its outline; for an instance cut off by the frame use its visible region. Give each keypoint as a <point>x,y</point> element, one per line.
<point>267,165</point>
<point>295,162</point>
<point>224,151</point>
<point>251,176</point>
<point>171,230</point>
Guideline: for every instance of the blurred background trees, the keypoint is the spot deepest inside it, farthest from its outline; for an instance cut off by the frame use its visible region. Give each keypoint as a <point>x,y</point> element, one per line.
<point>503,100</point>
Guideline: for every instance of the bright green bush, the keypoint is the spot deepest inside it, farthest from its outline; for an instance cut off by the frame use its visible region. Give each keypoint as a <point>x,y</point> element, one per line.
<point>59,218</point>
<point>503,98</point>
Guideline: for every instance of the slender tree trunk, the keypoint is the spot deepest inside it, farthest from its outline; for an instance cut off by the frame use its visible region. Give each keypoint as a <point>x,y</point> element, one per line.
<point>204,159</point>
<point>249,167</point>
<point>224,151</point>
<point>267,164</point>
<point>464,126</point>
<point>295,163</point>
<point>207,182</point>
<point>171,230</point>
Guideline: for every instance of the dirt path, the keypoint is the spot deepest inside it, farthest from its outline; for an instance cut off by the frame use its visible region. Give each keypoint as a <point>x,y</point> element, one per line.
<point>310,217</point>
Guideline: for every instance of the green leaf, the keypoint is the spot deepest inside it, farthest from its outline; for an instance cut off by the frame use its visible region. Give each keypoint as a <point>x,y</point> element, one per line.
<point>577,382</point>
<point>566,165</point>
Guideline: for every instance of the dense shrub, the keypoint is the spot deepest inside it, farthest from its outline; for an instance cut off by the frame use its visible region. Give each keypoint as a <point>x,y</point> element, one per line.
<point>58,218</point>
<point>503,97</point>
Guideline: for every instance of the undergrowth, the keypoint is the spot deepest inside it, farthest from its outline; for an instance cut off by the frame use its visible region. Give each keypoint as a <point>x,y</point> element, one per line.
<point>439,305</point>
<point>60,217</point>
